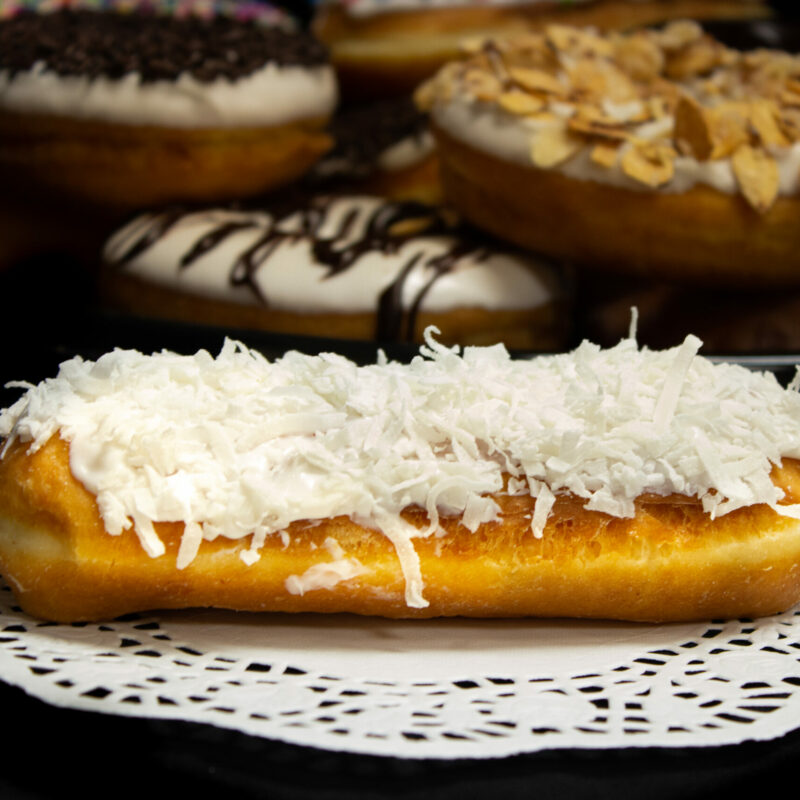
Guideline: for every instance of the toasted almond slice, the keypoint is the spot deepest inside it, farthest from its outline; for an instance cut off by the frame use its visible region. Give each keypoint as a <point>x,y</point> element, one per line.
<point>577,41</point>
<point>658,107</point>
<point>764,119</point>
<point>757,175</point>
<point>639,56</point>
<point>729,130</point>
<point>698,58</point>
<point>472,45</point>
<point>599,79</point>
<point>789,120</point>
<point>553,146</point>
<point>521,103</point>
<point>791,99</point>
<point>605,154</point>
<point>495,61</point>
<point>545,115</point>
<point>692,129</point>
<point>536,80</point>
<point>605,128</point>
<point>528,51</point>
<point>649,163</point>
<point>679,34</point>
<point>482,85</point>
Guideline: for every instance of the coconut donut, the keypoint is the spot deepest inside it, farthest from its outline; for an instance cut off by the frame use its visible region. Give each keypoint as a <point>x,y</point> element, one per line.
<point>346,267</point>
<point>129,110</point>
<point>382,47</point>
<point>621,483</point>
<point>659,153</point>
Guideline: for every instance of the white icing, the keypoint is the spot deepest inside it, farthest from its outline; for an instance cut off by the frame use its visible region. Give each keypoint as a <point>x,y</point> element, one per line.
<point>407,152</point>
<point>292,280</point>
<point>272,95</point>
<point>327,574</point>
<point>489,128</point>
<point>239,446</point>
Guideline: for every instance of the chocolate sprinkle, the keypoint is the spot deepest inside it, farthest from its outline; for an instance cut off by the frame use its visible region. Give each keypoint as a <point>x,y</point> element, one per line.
<point>94,43</point>
<point>362,133</point>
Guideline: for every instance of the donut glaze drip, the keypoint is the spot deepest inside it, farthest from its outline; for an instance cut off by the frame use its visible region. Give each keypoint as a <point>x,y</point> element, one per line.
<point>339,254</point>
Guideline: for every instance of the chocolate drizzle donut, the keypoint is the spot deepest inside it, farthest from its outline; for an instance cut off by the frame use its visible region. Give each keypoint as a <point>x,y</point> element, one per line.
<point>392,262</point>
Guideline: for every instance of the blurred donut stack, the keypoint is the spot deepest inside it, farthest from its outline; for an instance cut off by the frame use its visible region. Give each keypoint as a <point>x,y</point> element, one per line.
<point>515,172</point>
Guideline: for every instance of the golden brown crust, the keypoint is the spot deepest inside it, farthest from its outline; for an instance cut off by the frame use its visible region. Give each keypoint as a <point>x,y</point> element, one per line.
<point>129,166</point>
<point>418,182</point>
<point>699,235</point>
<point>542,328</point>
<point>670,562</point>
<point>391,53</point>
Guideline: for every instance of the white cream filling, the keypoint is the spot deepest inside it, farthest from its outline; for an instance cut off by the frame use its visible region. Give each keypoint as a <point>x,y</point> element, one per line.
<point>508,137</point>
<point>292,280</point>
<point>270,96</point>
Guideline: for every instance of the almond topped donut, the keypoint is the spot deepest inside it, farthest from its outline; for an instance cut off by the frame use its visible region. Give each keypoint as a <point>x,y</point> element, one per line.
<point>354,267</point>
<point>127,110</point>
<point>382,47</point>
<point>660,153</point>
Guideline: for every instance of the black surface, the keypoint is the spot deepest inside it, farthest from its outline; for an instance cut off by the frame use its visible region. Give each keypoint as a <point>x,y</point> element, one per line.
<point>106,756</point>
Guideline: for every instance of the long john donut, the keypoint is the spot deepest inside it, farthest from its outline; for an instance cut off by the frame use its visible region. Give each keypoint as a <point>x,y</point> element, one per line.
<point>619,484</point>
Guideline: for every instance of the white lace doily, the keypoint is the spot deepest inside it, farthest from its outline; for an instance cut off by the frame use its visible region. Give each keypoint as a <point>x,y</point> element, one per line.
<point>430,689</point>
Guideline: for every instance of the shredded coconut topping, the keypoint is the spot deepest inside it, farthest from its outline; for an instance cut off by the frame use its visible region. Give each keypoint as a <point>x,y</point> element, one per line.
<point>239,446</point>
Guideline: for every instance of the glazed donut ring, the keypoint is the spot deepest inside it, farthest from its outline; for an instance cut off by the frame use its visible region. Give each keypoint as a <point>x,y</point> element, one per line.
<point>382,49</point>
<point>661,154</point>
<point>179,504</point>
<point>131,110</point>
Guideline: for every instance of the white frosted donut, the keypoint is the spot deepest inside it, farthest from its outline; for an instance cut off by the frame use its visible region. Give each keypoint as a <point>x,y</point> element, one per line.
<point>366,266</point>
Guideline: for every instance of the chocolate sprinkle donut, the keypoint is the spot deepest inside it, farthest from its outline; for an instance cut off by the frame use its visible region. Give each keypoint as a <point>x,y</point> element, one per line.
<point>362,133</point>
<point>91,43</point>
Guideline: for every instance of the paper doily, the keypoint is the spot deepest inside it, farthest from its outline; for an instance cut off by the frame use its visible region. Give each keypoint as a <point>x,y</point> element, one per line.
<point>424,689</point>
